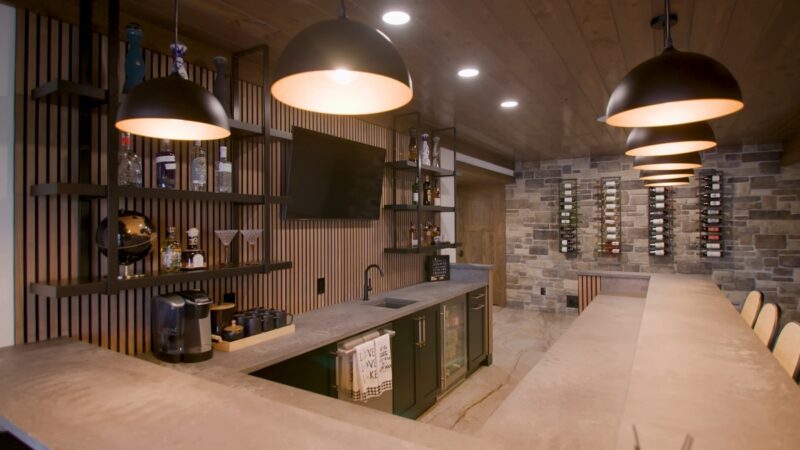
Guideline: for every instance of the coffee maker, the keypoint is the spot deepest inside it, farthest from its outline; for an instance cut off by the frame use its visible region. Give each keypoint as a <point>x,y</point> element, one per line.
<point>181,326</point>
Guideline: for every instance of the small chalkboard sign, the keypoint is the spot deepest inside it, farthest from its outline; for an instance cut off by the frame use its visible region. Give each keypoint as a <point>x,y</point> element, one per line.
<point>437,267</point>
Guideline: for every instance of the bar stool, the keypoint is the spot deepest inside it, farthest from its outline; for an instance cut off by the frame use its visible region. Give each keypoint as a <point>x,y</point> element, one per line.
<point>787,349</point>
<point>767,323</point>
<point>752,304</point>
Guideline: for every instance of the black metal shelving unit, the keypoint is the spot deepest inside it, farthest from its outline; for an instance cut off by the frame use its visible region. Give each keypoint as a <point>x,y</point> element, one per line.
<point>399,167</point>
<point>90,97</point>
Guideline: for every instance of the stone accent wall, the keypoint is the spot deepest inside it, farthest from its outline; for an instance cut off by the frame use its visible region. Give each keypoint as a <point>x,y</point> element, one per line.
<point>762,208</point>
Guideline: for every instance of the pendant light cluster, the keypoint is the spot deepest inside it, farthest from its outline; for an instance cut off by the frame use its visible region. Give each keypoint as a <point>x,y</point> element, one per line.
<point>341,66</point>
<point>172,107</point>
<point>667,100</point>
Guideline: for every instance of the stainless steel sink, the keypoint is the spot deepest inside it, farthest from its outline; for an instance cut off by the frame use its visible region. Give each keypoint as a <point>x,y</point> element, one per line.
<point>393,303</point>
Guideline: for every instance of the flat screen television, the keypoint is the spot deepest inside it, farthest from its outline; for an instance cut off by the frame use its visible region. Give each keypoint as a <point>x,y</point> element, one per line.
<point>333,178</point>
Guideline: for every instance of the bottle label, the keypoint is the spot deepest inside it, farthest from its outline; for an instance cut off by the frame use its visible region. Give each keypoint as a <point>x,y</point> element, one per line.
<point>611,199</point>
<point>567,185</point>
<point>714,254</point>
<point>564,221</point>
<point>611,236</point>
<point>611,183</point>
<point>567,199</point>
<point>714,177</point>
<point>165,159</point>
<point>170,166</point>
<point>225,167</point>
<point>714,203</point>
<point>715,195</point>
<point>415,197</point>
<point>714,245</point>
<point>568,207</point>
<point>611,206</point>
<point>658,189</point>
<point>611,229</point>
<point>568,192</point>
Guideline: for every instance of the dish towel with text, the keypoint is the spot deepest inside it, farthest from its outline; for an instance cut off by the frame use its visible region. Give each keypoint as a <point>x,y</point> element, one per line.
<point>372,369</point>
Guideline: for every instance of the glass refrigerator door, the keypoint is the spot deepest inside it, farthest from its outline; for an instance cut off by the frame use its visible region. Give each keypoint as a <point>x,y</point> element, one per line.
<point>454,343</point>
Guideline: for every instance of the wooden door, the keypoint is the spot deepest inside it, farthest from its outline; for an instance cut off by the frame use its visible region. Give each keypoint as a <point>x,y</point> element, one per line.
<point>481,222</point>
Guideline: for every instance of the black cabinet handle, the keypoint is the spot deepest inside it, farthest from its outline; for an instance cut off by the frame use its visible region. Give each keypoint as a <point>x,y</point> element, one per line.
<point>478,308</point>
<point>424,331</point>
<point>418,337</point>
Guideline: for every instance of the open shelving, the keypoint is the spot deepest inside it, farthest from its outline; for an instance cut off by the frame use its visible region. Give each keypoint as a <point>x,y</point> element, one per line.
<point>401,166</point>
<point>88,97</point>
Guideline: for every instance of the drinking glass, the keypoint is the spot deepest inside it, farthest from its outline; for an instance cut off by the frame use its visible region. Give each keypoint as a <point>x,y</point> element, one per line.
<point>251,236</point>
<point>226,237</point>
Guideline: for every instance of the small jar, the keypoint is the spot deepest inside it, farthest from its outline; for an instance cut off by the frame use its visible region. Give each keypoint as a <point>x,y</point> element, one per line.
<point>233,332</point>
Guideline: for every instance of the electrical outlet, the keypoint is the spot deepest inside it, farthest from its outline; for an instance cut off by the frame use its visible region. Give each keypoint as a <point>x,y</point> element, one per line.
<point>543,291</point>
<point>320,285</point>
<point>572,301</point>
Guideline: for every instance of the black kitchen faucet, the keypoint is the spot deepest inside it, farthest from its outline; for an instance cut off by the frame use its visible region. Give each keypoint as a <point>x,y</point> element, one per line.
<point>367,281</point>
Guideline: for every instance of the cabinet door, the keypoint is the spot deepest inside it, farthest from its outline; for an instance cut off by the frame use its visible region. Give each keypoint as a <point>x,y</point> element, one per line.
<point>403,351</point>
<point>427,360</point>
<point>476,321</point>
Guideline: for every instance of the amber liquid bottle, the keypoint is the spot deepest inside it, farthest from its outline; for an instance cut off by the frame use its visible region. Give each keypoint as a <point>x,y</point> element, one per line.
<point>412,146</point>
<point>426,191</point>
<point>414,236</point>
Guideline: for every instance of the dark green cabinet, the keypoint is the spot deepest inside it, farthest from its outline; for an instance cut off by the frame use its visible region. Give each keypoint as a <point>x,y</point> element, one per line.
<point>415,362</point>
<point>314,371</point>
<point>477,339</point>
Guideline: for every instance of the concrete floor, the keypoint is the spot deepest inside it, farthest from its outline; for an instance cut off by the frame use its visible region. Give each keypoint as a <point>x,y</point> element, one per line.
<point>521,338</point>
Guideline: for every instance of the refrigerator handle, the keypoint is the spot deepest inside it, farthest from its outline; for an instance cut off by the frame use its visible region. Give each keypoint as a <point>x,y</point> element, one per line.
<point>418,337</point>
<point>424,331</point>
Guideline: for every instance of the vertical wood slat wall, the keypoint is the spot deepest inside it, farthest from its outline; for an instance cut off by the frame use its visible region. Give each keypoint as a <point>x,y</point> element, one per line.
<point>46,235</point>
<point>588,288</point>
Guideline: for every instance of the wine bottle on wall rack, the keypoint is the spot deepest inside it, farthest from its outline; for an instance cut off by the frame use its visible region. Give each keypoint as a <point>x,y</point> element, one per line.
<point>660,214</point>
<point>610,218</point>
<point>711,201</point>
<point>568,217</point>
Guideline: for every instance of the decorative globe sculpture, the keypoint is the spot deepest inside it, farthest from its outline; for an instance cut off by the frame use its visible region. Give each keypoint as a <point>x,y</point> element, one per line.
<point>136,236</point>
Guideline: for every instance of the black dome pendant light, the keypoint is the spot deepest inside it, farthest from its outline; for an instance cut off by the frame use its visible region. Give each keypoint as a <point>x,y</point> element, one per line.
<point>671,162</point>
<point>673,88</point>
<point>656,175</point>
<point>670,140</point>
<point>172,108</point>
<point>668,183</point>
<point>341,66</point>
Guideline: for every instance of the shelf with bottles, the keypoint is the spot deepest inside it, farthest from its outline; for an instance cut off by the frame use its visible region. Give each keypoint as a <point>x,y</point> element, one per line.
<point>568,216</point>
<point>609,205</point>
<point>712,216</point>
<point>412,166</point>
<point>71,288</point>
<point>659,209</point>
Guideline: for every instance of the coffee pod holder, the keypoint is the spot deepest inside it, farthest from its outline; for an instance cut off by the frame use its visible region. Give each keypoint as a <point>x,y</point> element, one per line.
<point>232,346</point>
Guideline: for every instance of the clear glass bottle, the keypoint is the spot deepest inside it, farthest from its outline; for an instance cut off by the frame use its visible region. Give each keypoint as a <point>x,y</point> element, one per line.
<point>170,252</point>
<point>436,153</point>
<point>165,166</point>
<point>129,172</point>
<point>199,170</point>
<point>224,171</point>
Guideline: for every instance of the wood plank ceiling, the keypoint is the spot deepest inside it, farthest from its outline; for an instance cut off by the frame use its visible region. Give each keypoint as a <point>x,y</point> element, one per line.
<point>559,58</point>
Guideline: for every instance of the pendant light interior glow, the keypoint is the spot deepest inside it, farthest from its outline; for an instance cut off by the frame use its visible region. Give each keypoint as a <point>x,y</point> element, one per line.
<point>671,162</point>
<point>342,67</point>
<point>468,72</point>
<point>670,140</point>
<point>396,18</point>
<point>509,104</point>
<point>653,175</point>
<point>668,183</point>
<point>673,88</point>
<point>172,108</point>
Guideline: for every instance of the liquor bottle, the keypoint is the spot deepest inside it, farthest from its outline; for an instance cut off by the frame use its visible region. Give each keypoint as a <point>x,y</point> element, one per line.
<point>224,172</point>
<point>711,253</point>
<point>437,194</point>
<point>426,233</point>
<point>165,166</point>
<point>412,145</point>
<point>129,172</point>
<point>426,191</point>
<point>193,258</point>
<point>425,151</point>
<point>436,234</point>
<point>170,252</point>
<point>415,192</point>
<point>436,153</point>
<point>414,235</point>
<point>199,168</point>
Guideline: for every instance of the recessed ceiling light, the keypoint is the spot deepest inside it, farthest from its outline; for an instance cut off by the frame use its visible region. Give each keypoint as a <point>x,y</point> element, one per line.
<point>396,18</point>
<point>468,72</point>
<point>509,104</point>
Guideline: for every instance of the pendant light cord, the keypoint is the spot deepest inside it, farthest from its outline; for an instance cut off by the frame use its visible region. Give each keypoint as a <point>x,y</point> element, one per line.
<point>176,22</point>
<point>667,20</point>
<point>342,11</point>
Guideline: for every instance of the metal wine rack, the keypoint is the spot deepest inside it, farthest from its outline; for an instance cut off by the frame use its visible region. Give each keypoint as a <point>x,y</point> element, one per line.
<point>712,219</point>
<point>610,217</point>
<point>660,221</point>
<point>568,216</point>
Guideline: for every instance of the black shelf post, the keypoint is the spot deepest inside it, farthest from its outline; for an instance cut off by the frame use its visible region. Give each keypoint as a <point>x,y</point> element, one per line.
<point>113,143</point>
